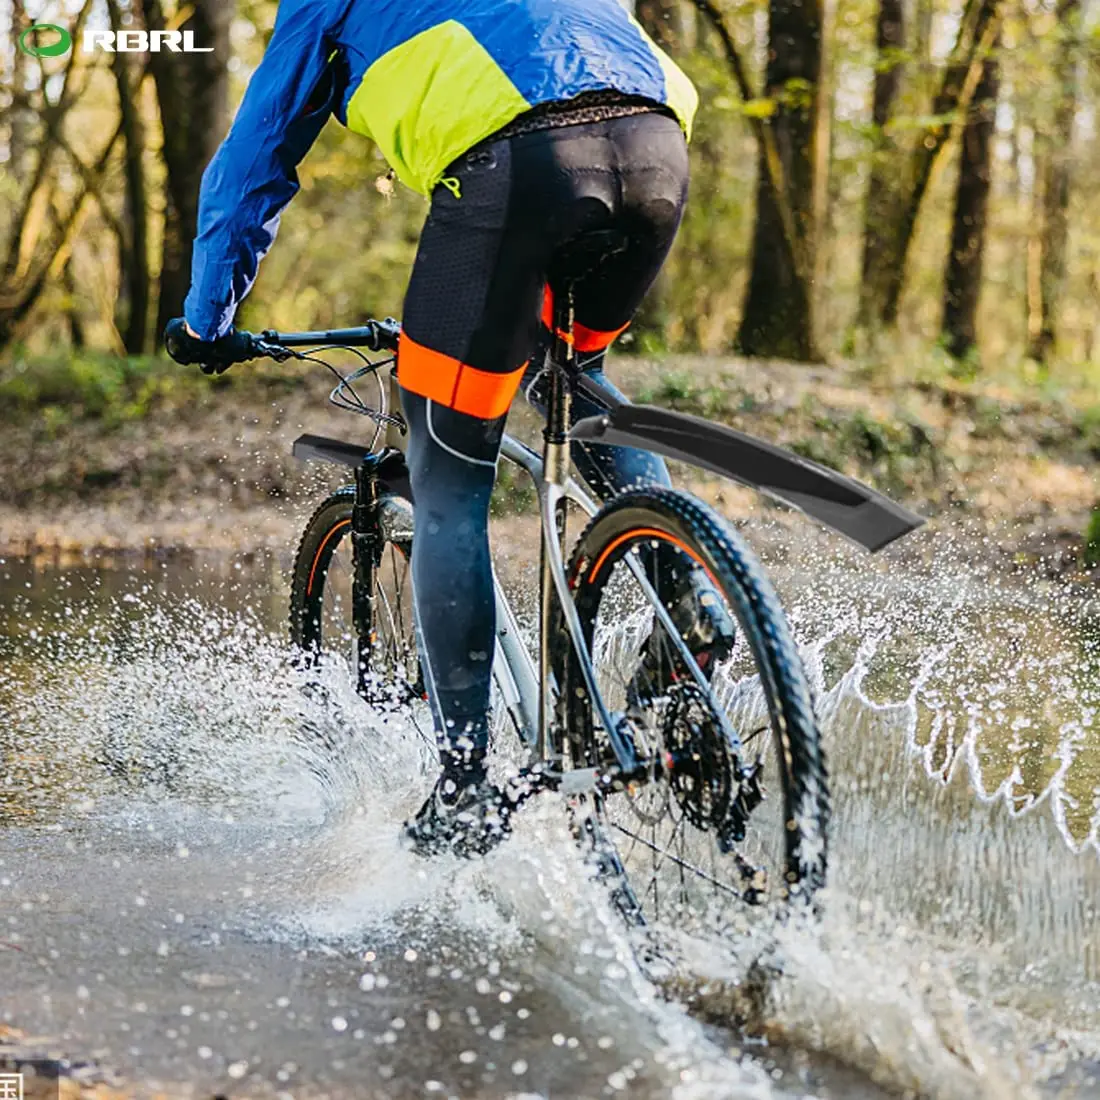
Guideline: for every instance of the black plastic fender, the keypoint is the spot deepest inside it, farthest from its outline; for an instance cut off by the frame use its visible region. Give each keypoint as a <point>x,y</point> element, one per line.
<point>389,465</point>
<point>839,502</point>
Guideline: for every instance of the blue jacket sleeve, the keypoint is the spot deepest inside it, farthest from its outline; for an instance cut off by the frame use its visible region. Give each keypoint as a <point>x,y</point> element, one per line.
<point>254,175</point>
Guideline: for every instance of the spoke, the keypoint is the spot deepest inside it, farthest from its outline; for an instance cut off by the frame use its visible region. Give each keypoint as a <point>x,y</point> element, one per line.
<point>393,626</point>
<point>399,575</point>
<point>698,871</point>
<point>665,853</point>
<point>680,865</point>
<point>653,874</point>
<point>639,656</point>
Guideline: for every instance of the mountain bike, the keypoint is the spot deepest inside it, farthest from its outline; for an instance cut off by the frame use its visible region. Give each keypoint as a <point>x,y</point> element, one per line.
<point>689,788</point>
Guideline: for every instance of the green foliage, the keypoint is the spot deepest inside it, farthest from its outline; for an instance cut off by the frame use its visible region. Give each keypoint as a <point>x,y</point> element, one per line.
<point>61,387</point>
<point>1087,423</point>
<point>797,94</point>
<point>895,452</point>
<point>345,249</point>
<point>680,390</point>
<point>1092,539</point>
<point>759,108</point>
<point>67,385</point>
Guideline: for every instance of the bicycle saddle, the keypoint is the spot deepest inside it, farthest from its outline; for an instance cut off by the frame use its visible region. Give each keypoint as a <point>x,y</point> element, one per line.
<point>582,255</point>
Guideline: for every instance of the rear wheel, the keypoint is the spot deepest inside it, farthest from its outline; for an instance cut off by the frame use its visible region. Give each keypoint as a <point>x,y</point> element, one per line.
<point>733,805</point>
<point>322,611</point>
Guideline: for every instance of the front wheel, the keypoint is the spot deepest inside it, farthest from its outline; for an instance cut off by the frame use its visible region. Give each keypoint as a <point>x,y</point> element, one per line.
<point>733,804</point>
<point>375,644</point>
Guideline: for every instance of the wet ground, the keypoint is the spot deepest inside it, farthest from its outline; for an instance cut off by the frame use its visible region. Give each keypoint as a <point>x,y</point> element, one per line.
<point>195,894</point>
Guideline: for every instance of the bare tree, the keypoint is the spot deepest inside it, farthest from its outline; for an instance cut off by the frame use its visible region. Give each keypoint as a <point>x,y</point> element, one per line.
<point>879,213</point>
<point>134,242</point>
<point>884,274</point>
<point>193,95</point>
<point>778,317</point>
<point>1057,161</point>
<point>20,117</point>
<point>34,254</point>
<point>794,245</point>
<point>963,277</point>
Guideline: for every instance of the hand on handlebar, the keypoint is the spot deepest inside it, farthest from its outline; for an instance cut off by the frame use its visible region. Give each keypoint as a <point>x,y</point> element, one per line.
<point>213,356</point>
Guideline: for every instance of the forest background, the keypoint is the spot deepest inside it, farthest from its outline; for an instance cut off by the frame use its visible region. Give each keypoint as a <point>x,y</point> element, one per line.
<point>894,194</point>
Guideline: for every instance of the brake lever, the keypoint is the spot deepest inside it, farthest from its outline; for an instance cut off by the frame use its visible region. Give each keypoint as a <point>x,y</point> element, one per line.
<point>273,351</point>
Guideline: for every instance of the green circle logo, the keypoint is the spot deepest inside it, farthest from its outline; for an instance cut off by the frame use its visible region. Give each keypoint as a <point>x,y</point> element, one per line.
<point>30,40</point>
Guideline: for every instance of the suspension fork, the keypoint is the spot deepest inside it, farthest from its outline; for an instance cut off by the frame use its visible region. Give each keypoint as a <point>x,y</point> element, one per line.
<point>366,555</point>
<point>556,477</point>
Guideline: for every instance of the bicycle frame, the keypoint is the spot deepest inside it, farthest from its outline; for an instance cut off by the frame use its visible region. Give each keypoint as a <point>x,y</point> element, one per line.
<point>528,690</point>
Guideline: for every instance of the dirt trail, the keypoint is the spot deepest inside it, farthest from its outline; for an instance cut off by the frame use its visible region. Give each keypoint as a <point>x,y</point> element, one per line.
<point>211,469</point>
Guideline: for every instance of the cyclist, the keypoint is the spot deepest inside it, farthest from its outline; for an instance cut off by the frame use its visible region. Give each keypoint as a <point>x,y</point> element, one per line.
<point>529,124</point>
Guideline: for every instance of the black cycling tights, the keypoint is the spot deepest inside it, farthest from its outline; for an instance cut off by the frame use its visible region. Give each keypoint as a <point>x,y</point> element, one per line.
<point>506,213</point>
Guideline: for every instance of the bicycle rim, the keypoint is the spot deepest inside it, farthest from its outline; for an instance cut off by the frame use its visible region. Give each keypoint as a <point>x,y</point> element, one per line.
<point>719,822</point>
<point>323,613</point>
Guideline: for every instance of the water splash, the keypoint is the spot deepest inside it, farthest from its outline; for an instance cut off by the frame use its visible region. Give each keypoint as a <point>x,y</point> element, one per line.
<point>957,953</point>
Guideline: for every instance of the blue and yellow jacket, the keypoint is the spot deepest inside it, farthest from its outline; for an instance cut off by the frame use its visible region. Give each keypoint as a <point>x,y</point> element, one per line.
<point>426,79</point>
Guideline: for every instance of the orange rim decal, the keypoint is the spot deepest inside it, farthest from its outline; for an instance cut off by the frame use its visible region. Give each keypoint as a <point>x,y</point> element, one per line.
<point>321,549</point>
<point>645,532</point>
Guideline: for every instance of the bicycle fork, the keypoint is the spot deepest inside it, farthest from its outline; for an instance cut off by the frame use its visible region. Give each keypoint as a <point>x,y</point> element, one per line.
<point>365,556</point>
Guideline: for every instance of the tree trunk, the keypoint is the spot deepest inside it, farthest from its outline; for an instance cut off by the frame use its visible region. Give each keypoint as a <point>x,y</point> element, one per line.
<point>194,110</point>
<point>1057,177</point>
<point>963,278</point>
<point>880,212</point>
<point>884,275</point>
<point>134,248</point>
<point>175,267</point>
<point>21,119</point>
<point>825,179</point>
<point>77,336</point>
<point>778,318</point>
<point>31,257</point>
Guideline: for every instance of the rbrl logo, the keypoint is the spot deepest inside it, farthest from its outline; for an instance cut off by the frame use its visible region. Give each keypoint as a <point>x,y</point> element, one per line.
<point>50,40</point>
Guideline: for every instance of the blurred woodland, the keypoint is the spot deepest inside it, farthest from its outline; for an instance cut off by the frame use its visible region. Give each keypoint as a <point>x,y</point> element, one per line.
<point>904,179</point>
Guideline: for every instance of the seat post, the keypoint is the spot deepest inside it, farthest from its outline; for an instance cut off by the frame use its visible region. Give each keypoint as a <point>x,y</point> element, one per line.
<point>555,475</point>
<point>563,360</point>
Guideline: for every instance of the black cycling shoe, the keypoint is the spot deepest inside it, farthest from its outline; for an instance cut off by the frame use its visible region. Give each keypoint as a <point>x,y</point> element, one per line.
<point>699,614</point>
<point>465,820</point>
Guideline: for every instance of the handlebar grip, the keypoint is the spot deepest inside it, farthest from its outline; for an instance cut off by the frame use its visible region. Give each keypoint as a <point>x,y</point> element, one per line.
<point>213,356</point>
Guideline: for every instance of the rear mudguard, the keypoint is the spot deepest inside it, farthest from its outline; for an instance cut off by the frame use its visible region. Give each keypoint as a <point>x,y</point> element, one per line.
<point>840,503</point>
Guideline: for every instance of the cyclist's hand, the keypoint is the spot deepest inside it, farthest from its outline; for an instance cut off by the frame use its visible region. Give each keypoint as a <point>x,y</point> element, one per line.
<point>213,356</point>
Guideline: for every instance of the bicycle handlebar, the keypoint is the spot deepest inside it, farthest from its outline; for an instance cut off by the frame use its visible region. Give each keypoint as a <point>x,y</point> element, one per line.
<point>374,335</point>
<point>216,356</point>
